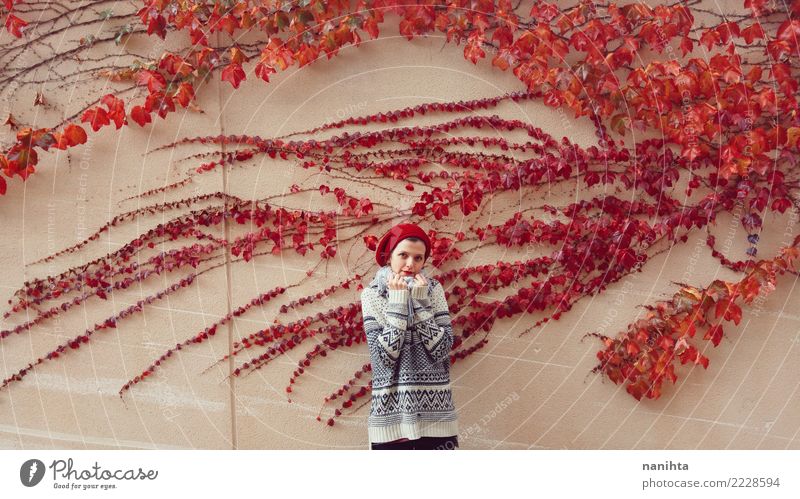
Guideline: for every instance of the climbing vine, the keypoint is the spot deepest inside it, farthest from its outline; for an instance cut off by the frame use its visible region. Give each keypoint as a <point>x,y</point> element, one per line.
<point>727,135</point>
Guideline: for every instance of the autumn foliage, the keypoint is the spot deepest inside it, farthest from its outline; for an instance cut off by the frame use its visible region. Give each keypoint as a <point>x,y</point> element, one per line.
<point>721,101</point>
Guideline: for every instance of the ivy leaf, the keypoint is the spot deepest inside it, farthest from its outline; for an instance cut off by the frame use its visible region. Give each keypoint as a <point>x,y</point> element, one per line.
<point>751,32</point>
<point>15,25</point>
<point>175,65</point>
<point>440,210</point>
<point>504,59</point>
<point>116,109</point>
<point>264,70</point>
<point>473,50</point>
<point>184,94</point>
<point>234,74</point>
<point>714,334</point>
<point>140,116</point>
<point>97,117</point>
<point>158,25</point>
<point>154,81</point>
<point>75,134</point>
<point>371,242</point>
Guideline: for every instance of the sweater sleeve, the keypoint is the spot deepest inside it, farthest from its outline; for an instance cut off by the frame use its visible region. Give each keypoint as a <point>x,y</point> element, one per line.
<point>436,332</point>
<point>385,340</point>
<point>420,296</point>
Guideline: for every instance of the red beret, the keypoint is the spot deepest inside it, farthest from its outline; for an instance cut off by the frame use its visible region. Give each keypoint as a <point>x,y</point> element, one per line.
<point>393,238</point>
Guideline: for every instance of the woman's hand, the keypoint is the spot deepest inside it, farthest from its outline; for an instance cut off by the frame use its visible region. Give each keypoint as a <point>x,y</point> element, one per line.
<point>419,280</point>
<point>395,281</point>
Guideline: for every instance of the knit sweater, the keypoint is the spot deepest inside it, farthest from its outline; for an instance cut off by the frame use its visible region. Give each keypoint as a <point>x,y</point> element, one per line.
<point>411,395</point>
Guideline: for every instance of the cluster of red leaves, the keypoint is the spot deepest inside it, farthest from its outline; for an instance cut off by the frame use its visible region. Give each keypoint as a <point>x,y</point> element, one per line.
<point>598,242</point>
<point>591,243</point>
<point>610,37</point>
<point>22,156</point>
<point>645,355</point>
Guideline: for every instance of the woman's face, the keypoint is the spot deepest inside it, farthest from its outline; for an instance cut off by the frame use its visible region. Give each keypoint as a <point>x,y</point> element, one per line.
<point>408,257</point>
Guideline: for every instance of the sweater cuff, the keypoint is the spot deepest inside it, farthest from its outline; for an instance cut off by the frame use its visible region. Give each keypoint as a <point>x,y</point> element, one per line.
<point>398,296</point>
<point>419,292</point>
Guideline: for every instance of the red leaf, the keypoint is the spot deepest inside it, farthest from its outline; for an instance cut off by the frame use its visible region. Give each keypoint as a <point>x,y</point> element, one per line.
<point>175,65</point>
<point>237,56</point>
<point>140,116</point>
<point>733,313</point>
<point>781,204</point>
<point>371,27</point>
<point>263,71</point>
<point>714,334</point>
<point>440,210</point>
<point>74,134</point>
<point>730,310</point>
<point>2,186</point>
<point>709,38</point>
<point>472,49</point>
<point>276,54</point>
<point>371,242</point>
<point>184,94</point>
<point>97,117</point>
<point>116,109</point>
<point>14,25</point>
<point>165,105</point>
<point>751,32</point>
<point>686,45</point>
<point>157,25</point>
<point>154,81</point>
<point>364,207</point>
<point>504,59</point>
<point>43,138</point>
<point>228,23</point>
<point>306,54</point>
<point>789,31</point>
<point>234,74</point>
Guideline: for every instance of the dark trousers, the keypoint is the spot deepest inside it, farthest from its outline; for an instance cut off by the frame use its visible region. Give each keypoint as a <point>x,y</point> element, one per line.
<point>424,443</point>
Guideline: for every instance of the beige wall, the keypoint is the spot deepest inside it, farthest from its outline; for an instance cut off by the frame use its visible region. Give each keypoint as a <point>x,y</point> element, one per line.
<point>747,399</point>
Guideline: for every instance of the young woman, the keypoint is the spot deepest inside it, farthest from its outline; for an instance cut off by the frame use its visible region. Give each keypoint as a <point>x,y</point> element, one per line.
<point>409,334</point>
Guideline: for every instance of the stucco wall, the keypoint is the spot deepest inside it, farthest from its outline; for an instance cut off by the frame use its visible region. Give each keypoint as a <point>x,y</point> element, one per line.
<point>516,393</point>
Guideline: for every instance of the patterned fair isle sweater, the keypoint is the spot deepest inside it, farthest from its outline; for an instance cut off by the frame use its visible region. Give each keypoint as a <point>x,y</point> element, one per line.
<point>411,396</point>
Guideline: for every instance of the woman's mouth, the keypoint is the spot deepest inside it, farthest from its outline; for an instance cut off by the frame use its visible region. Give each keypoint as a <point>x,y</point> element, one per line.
<point>406,272</point>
